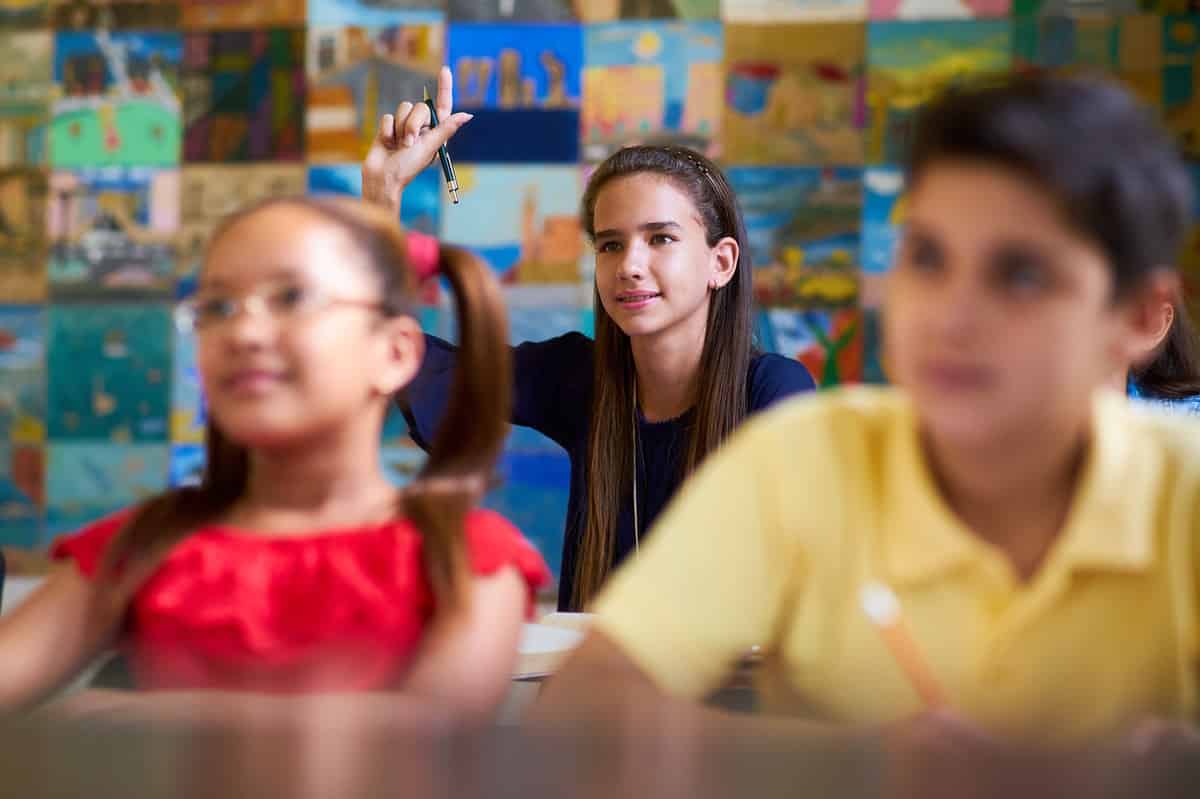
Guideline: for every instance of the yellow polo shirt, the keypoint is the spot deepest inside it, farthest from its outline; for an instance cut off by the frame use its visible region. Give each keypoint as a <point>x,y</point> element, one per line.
<point>771,541</point>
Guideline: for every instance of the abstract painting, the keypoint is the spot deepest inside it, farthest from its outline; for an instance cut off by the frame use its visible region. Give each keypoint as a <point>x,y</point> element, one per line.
<point>872,322</point>
<point>938,9</point>
<point>612,10</point>
<point>211,192</point>
<point>511,10</point>
<point>22,494</point>
<point>23,192</point>
<point>243,95</point>
<point>375,12</point>
<point>188,416</point>
<point>118,100</point>
<point>776,11</point>
<point>23,13</point>
<point>523,220</point>
<point>803,229</point>
<point>239,14</point>
<point>1084,9</point>
<point>87,481</point>
<point>651,83</point>
<point>26,85</point>
<point>828,343</point>
<point>1181,80</point>
<point>112,233</point>
<point>912,61</point>
<point>187,465</point>
<point>118,359</point>
<point>114,14</point>
<point>794,93</point>
<point>22,374</point>
<point>1126,48</point>
<point>882,218</point>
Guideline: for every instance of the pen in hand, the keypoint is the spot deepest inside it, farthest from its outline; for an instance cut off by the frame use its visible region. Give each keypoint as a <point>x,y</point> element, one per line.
<point>443,153</point>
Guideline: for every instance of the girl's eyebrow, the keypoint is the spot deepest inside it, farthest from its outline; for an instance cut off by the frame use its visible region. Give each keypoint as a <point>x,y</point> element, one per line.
<point>666,224</point>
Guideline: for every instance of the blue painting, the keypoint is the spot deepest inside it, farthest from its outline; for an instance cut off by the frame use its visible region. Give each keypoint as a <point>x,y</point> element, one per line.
<point>188,413</point>
<point>22,375</point>
<point>421,206</point>
<point>883,212</point>
<point>187,465</point>
<point>803,228</point>
<point>523,220</point>
<point>108,371</point>
<point>88,481</point>
<point>375,12</point>
<point>22,472</point>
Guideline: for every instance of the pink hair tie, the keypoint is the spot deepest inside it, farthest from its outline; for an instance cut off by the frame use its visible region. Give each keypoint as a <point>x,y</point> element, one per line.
<point>423,252</point>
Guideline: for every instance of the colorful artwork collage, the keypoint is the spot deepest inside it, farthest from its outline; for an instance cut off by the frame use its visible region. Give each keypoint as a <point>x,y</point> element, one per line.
<point>128,129</point>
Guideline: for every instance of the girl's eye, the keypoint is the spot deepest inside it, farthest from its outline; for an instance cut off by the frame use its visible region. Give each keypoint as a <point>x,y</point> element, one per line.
<point>289,298</point>
<point>661,238</point>
<point>608,246</point>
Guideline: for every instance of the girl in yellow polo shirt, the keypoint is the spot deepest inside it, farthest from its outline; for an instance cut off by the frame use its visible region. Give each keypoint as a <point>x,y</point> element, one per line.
<point>1042,537</point>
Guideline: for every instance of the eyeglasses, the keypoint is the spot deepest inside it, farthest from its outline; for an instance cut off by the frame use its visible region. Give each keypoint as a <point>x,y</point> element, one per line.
<point>283,304</point>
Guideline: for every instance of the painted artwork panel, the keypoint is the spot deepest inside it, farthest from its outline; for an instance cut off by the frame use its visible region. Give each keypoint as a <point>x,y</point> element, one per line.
<point>883,215</point>
<point>1128,49</point>
<point>23,193</point>
<point>421,208</point>
<point>108,369</point>
<point>909,62</point>
<point>186,467</point>
<point>244,95</point>
<point>1074,8</point>
<point>777,11</point>
<point>511,10</point>
<point>1181,80</point>
<point>828,343</point>
<point>938,9</point>
<point>112,233</point>
<point>118,99</point>
<point>612,10</point>
<point>803,229</point>
<point>239,14</point>
<point>26,87</point>
<point>794,93</point>
<point>188,412</point>
<point>85,15</point>
<point>211,192</point>
<point>22,374</point>
<point>523,220</point>
<point>87,481</point>
<point>652,83</point>
<point>22,494</point>
<point>375,12</point>
<point>356,74</point>
<point>23,14</point>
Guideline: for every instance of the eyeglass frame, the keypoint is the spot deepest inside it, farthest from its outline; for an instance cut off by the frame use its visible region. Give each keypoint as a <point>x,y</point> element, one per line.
<point>255,302</point>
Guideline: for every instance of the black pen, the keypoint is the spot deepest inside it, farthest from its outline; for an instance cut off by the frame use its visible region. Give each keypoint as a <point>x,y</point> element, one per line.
<point>443,154</point>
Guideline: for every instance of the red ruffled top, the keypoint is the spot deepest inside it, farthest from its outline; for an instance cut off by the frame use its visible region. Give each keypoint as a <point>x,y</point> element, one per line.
<point>338,610</point>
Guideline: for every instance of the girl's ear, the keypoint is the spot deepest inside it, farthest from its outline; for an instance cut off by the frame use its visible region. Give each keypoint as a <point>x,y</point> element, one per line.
<point>724,263</point>
<point>403,351</point>
<point>1149,313</point>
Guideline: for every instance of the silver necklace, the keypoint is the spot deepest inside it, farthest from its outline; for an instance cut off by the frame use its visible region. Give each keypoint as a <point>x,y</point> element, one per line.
<point>637,536</point>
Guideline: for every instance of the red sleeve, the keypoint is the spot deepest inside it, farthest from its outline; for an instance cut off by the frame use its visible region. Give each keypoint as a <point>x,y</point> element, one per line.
<point>423,251</point>
<point>493,543</point>
<point>87,546</point>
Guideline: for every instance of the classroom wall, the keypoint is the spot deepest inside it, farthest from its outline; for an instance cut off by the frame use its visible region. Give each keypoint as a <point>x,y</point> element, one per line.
<point>127,129</point>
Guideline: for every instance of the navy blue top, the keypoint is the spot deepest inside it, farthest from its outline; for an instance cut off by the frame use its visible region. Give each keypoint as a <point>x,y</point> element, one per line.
<point>553,395</point>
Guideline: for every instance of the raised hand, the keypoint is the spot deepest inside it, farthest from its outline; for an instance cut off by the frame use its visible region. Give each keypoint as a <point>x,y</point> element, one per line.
<point>405,144</point>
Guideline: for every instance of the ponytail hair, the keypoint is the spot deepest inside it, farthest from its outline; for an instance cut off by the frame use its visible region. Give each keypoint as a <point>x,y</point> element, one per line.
<point>465,447</point>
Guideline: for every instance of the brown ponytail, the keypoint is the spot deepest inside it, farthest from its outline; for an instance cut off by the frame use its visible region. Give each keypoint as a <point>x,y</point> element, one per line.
<point>465,447</point>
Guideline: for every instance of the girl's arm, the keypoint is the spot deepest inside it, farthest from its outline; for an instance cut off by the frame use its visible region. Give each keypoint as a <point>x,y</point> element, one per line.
<point>53,635</point>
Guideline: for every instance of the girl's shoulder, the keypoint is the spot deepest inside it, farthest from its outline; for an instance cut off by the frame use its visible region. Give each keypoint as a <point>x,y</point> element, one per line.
<point>773,377</point>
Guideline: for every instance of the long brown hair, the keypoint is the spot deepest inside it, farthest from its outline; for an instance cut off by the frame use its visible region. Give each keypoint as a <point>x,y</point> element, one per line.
<point>465,447</point>
<point>721,401</point>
